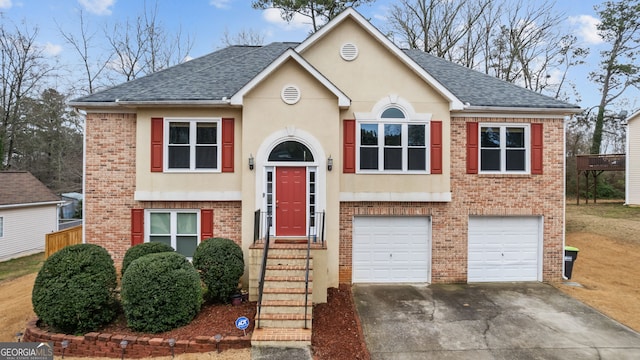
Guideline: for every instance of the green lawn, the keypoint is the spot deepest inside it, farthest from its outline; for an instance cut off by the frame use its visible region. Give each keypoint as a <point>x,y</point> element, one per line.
<point>14,268</point>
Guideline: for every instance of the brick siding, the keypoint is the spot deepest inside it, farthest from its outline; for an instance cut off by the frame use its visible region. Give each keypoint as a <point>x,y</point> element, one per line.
<point>473,194</point>
<point>110,185</point>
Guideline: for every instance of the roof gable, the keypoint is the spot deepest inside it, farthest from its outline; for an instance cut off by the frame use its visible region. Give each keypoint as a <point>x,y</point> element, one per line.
<point>350,13</point>
<point>20,187</point>
<point>343,100</point>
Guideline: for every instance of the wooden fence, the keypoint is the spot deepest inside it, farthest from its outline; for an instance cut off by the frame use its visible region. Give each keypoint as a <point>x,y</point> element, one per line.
<point>59,239</point>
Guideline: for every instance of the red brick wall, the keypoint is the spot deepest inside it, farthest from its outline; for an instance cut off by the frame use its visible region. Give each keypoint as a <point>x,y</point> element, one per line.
<point>110,186</point>
<point>473,194</point>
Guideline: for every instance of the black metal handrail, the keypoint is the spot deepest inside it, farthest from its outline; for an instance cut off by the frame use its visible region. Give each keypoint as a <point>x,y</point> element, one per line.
<point>265,253</point>
<point>313,221</point>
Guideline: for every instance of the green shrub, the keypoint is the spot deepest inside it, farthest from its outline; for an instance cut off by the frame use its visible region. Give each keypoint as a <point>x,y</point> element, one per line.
<point>141,250</point>
<point>160,292</point>
<point>221,264</point>
<point>74,291</point>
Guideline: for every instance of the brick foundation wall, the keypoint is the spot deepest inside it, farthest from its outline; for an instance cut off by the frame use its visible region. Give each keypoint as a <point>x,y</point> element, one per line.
<point>108,345</point>
<point>110,186</point>
<point>478,194</point>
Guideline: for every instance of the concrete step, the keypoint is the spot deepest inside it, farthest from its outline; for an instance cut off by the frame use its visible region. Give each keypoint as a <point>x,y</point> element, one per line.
<point>284,337</point>
<point>281,282</point>
<point>285,306</point>
<point>297,294</point>
<point>287,270</point>
<point>286,320</point>
<point>289,259</point>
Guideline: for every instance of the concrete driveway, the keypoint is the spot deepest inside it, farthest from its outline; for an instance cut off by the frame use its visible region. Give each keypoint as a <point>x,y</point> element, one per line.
<point>487,321</point>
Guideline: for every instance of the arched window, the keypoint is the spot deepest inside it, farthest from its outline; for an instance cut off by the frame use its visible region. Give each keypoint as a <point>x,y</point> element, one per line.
<point>291,151</point>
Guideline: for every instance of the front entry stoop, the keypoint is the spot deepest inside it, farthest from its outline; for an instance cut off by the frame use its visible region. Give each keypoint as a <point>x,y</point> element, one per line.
<point>282,317</point>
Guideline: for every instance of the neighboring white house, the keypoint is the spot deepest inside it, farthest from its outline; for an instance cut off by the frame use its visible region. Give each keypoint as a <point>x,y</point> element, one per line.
<point>28,211</point>
<point>632,180</point>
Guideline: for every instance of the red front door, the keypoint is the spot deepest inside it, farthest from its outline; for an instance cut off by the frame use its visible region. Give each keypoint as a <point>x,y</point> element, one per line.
<point>291,205</point>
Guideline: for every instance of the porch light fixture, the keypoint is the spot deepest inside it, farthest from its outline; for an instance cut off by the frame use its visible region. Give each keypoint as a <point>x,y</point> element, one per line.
<point>19,336</point>
<point>65,345</point>
<point>329,163</point>
<point>251,162</point>
<point>218,337</point>
<point>123,345</point>
<point>172,343</point>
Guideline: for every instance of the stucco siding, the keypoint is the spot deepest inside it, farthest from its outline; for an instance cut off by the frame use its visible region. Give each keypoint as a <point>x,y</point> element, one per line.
<point>633,162</point>
<point>24,229</point>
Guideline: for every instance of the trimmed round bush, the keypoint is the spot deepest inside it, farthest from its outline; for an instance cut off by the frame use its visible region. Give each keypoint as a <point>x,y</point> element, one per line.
<point>141,250</point>
<point>74,291</point>
<point>221,264</point>
<point>160,292</point>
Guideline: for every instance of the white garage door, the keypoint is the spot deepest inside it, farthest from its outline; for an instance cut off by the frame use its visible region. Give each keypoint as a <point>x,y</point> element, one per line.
<point>504,249</point>
<point>391,249</point>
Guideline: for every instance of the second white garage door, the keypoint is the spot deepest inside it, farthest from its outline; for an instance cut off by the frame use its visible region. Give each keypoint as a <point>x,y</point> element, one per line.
<point>504,248</point>
<point>391,249</point>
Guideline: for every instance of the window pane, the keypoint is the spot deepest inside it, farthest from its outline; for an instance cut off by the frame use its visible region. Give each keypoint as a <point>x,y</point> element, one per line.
<point>206,133</point>
<point>416,135</point>
<point>206,157</point>
<point>516,160</point>
<point>490,160</point>
<point>178,157</point>
<point>490,137</point>
<point>369,158</point>
<point>369,134</point>
<point>291,151</point>
<point>178,133</point>
<point>392,113</point>
<point>186,245</point>
<point>1,227</point>
<point>312,176</point>
<point>515,138</point>
<point>161,239</point>
<point>417,159</point>
<point>393,134</point>
<point>393,159</point>
<point>187,223</point>
<point>160,223</point>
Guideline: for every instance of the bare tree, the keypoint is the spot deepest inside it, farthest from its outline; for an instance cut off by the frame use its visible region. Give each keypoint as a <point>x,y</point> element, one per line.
<point>83,44</point>
<point>23,67</point>
<point>249,37</point>
<point>142,46</point>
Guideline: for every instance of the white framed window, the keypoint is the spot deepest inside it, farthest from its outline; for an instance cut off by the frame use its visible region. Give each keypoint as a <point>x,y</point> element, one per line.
<point>504,148</point>
<point>392,143</point>
<point>179,229</point>
<point>1,227</point>
<point>192,144</point>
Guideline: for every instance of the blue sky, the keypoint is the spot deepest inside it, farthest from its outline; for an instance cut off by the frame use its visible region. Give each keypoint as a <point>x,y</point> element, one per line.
<point>206,20</point>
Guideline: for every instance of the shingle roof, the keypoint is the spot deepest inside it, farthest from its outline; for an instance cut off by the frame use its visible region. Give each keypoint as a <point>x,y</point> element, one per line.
<point>222,73</point>
<point>20,187</point>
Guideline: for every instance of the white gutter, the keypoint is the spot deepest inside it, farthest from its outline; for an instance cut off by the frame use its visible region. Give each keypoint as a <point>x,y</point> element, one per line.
<point>9,206</point>
<point>519,110</point>
<point>125,103</point>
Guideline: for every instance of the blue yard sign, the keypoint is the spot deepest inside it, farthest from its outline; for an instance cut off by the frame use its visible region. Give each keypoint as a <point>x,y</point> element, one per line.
<point>242,323</point>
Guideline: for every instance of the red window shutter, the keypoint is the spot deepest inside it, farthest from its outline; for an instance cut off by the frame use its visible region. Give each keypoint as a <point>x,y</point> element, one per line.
<point>227,145</point>
<point>206,224</point>
<point>349,156</point>
<point>472,148</point>
<point>536,148</point>
<point>157,126</point>
<point>436,147</point>
<point>137,226</point>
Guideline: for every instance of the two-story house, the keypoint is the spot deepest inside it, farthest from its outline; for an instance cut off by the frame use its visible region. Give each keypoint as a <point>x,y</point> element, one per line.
<point>401,166</point>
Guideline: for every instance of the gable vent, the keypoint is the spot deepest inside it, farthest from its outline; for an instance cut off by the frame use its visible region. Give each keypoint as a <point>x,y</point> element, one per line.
<point>290,94</point>
<point>349,51</point>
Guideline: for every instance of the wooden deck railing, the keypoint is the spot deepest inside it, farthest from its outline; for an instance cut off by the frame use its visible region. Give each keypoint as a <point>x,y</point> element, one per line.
<point>605,162</point>
<point>57,240</point>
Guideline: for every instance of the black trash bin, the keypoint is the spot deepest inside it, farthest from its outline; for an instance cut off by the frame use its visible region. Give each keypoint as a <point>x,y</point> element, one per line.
<point>570,256</point>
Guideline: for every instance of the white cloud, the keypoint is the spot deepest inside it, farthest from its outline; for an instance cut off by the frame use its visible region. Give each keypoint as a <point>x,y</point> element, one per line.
<point>52,49</point>
<point>98,7</point>
<point>220,4</point>
<point>5,4</point>
<point>586,28</point>
<point>272,16</point>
